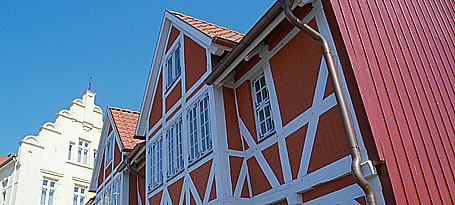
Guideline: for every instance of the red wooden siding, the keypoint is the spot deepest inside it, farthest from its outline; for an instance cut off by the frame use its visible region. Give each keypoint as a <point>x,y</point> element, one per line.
<point>117,155</point>
<point>175,190</point>
<point>156,199</point>
<point>108,170</point>
<point>172,36</point>
<point>327,188</point>
<point>157,110</point>
<point>174,96</point>
<point>232,123</point>
<point>195,62</point>
<point>141,184</point>
<point>132,188</point>
<point>101,172</point>
<point>289,75</point>
<point>402,55</point>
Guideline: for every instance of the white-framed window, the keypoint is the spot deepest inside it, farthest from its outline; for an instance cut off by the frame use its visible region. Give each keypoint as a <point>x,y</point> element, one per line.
<point>156,163</point>
<point>107,196</point>
<point>174,148</point>
<point>79,195</point>
<point>48,192</point>
<point>116,193</point>
<point>109,150</point>
<point>173,66</point>
<point>70,151</point>
<point>94,157</point>
<point>200,139</point>
<point>83,152</point>
<point>4,189</point>
<point>263,109</point>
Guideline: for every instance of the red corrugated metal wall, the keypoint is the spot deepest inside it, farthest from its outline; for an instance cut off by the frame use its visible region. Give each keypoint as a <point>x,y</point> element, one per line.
<point>402,55</point>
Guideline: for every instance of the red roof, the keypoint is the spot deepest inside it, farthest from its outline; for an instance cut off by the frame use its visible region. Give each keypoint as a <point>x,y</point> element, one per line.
<point>126,121</point>
<point>3,159</point>
<point>210,29</point>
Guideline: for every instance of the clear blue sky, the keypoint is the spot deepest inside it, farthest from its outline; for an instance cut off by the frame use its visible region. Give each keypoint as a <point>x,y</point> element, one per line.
<point>48,50</point>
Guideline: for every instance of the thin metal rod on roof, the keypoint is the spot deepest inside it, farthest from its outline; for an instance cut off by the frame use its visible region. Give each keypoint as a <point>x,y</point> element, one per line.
<point>347,121</point>
<point>90,84</point>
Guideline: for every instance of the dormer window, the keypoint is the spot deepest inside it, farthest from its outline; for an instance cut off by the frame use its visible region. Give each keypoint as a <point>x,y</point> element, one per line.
<point>109,151</point>
<point>173,67</point>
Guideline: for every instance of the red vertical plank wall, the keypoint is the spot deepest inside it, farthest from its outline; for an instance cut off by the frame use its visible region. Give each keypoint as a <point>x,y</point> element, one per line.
<point>403,57</point>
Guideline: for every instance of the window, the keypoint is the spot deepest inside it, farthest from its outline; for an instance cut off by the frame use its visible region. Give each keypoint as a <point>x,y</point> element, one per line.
<point>174,148</point>
<point>109,149</point>
<point>4,188</point>
<point>79,195</point>
<point>116,191</point>
<point>107,196</point>
<point>156,163</point>
<point>82,152</point>
<point>199,128</point>
<point>47,192</point>
<point>263,110</point>
<point>70,151</point>
<point>173,67</point>
<point>94,157</point>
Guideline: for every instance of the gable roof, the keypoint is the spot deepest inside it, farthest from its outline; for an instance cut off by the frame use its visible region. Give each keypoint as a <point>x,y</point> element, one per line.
<point>125,121</point>
<point>210,29</point>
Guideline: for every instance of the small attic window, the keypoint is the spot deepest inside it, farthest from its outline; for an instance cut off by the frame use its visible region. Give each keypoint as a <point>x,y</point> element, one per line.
<point>173,66</point>
<point>109,150</point>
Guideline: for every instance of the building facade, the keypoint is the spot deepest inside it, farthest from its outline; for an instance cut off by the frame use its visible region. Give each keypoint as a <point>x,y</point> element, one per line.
<point>119,176</point>
<point>229,118</point>
<point>55,166</point>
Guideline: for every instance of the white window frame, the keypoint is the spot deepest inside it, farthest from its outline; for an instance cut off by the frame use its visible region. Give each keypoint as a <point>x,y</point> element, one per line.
<point>198,122</point>
<point>262,106</point>
<point>48,186</point>
<point>117,190</point>
<point>95,152</point>
<point>83,152</point>
<point>4,191</point>
<point>109,149</point>
<point>70,151</point>
<point>79,194</point>
<point>174,142</point>
<point>173,71</point>
<point>155,151</point>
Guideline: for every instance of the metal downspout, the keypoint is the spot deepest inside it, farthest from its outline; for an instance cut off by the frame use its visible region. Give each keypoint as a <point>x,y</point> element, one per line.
<point>347,121</point>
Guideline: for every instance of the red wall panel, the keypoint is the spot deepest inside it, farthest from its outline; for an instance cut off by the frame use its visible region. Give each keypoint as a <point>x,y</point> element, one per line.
<point>172,36</point>
<point>200,177</point>
<point>157,106</point>
<point>117,155</point>
<point>174,96</point>
<point>402,53</point>
<point>232,124</point>
<point>195,62</point>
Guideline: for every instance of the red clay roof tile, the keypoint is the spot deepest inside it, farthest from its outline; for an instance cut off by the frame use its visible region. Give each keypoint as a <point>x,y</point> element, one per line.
<point>210,29</point>
<point>3,159</point>
<point>126,121</point>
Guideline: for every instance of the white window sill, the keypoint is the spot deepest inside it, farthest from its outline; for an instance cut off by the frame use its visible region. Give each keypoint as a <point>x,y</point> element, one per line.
<point>79,164</point>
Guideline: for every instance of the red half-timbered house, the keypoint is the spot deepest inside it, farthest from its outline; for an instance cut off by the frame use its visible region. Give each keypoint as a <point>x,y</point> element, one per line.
<point>253,119</point>
<point>118,177</point>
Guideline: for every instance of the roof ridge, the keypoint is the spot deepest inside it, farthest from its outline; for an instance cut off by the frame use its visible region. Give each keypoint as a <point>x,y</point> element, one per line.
<point>124,110</point>
<point>199,24</point>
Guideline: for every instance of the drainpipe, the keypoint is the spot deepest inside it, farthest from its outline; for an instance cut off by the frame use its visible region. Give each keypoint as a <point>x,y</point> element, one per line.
<point>347,121</point>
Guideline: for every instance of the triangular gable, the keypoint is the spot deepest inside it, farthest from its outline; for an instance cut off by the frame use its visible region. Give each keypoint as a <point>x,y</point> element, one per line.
<point>108,128</point>
<point>199,31</point>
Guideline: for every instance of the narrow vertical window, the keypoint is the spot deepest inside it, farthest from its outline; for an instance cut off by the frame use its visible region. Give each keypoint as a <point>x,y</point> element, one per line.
<point>116,191</point>
<point>4,188</point>
<point>94,158</point>
<point>109,150</point>
<point>173,67</point>
<point>199,128</point>
<point>174,148</point>
<point>82,152</point>
<point>156,166</point>
<point>263,109</point>
<point>70,150</point>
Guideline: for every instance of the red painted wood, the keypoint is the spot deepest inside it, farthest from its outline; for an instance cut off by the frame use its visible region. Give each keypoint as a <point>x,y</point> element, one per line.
<point>157,104</point>
<point>212,195</point>
<point>407,49</point>
<point>117,155</point>
<point>174,96</point>
<point>245,190</point>
<point>294,144</point>
<point>195,62</point>
<point>272,156</point>
<point>200,177</point>
<point>156,199</point>
<point>132,188</point>
<point>101,172</point>
<point>172,36</point>
<point>327,188</point>
<point>232,125</point>
<point>259,182</point>
<point>175,190</point>
<point>235,164</point>
<point>246,111</point>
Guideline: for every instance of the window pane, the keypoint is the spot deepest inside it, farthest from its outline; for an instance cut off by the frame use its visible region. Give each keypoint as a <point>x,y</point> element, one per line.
<point>52,183</point>
<point>51,197</point>
<point>177,61</point>
<point>85,156</point>
<point>81,200</point>
<point>43,196</point>
<point>69,151</point>
<point>75,200</point>
<point>45,182</point>
<point>79,152</point>
<point>169,72</point>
